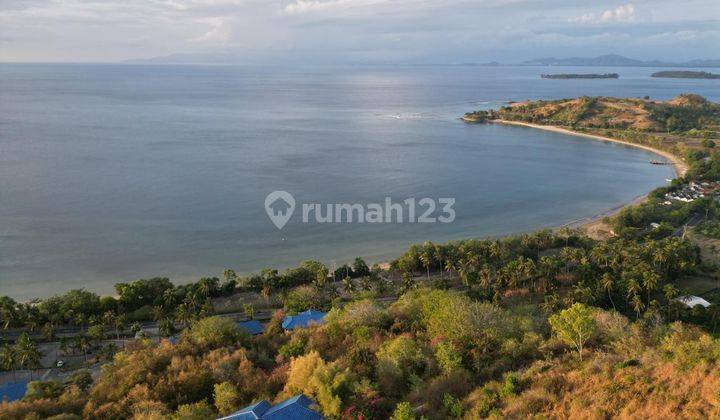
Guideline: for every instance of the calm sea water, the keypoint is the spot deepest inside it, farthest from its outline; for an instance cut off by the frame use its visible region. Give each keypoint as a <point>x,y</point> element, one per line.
<point>114,172</point>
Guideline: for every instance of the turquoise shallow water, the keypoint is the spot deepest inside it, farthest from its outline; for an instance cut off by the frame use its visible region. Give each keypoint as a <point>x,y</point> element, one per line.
<point>111,173</point>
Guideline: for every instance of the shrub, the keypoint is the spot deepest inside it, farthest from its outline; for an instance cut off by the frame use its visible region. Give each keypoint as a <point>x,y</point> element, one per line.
<point>82,379</point>
<point>214,331</point>
<point>403,411</point>
<point>294,347</point>
<point>303,298</point>
<point>326,382</point>
<point>575,326</point>
<point>227,398</point>
<point>197,411</point>
<point>511,386</point>
<point>448,357</point>
<point>453,407</point>
<point>43,389</point>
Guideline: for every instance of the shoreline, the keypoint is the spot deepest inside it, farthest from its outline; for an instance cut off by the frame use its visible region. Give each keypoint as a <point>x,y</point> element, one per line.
<point>678,165</point>
<point>593,225</point>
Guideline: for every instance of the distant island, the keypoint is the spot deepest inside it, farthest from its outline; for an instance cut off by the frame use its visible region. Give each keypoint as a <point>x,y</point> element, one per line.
<point>686,74</point>
<point>580,76</point>
<point>614,60</point>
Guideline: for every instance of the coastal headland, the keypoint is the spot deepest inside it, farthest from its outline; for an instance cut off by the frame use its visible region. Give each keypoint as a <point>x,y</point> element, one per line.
<point>672,129</point>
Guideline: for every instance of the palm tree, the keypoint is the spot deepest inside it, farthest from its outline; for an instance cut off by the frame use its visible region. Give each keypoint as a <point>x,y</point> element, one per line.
<point>486,277</point>
<point>120,322</point>
<point>633,288</point>
<point>192,301</point>
<point>27,353</point>
<point>607,283</point>
<point>637,304</point>
<point>650,281</point>
<point>407,282</point>
<point>169,298</point>
<point>8,312</point>
<point>450,265</point>
<point>204,288</point>
<point>7,359</point>
<point>158,312</point>
<point>548,268</point>
<point>48,331</point>
<point>426,256</point>
<point>79,320</point>
<point>440,255</point>
<point>269,279</point>
<point>183,315</point>
<point>82,343</point>
<point>365,283</point>
<point>32,317</point>
<point>348,285</point>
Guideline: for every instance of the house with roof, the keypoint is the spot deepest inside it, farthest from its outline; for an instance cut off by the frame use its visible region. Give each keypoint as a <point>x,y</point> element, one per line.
<point>303,319</point>
<point>13,391</point>
<point>692,301</point>
<point>253,327</point>
<point>298,407</point>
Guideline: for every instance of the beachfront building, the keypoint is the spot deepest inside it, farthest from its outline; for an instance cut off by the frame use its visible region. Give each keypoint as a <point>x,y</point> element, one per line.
<point>692,301</point>
<point>303,319</point>
<point>295,408</point>
<point>693,191</point>
<point>253,327</point>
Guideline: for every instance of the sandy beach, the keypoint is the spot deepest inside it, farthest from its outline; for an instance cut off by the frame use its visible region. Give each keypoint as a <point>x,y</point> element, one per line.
<point>594,226</point>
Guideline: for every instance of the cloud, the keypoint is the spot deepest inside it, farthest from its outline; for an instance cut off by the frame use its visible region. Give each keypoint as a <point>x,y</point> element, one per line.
<point>308,6</point>
<point>219,33</point>
<point>623,13</point>
<point>327,31</point>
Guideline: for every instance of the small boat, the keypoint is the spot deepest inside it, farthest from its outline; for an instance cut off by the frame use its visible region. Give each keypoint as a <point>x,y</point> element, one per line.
<point>657,162</point>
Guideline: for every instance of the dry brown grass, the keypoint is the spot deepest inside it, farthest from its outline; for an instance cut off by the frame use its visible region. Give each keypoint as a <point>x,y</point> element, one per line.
<point>605,387</point>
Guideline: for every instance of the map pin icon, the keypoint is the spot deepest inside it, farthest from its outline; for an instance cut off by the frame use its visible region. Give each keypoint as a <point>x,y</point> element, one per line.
<point>279,206</point>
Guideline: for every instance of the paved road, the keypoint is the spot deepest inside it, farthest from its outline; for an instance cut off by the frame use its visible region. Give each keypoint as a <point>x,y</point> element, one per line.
<point>71,331</point>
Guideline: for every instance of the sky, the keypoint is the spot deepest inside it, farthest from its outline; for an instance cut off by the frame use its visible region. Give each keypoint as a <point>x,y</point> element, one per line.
<point>356,31</point>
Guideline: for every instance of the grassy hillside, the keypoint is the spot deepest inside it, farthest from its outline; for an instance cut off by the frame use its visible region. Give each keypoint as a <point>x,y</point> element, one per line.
<point>684,123</point>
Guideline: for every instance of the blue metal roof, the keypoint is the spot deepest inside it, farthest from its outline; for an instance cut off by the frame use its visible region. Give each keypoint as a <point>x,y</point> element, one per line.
<point>295,408</point>
<point>254,327</point>
<point>13,390</point>
<point>252,412</point>
<point>303,319</point>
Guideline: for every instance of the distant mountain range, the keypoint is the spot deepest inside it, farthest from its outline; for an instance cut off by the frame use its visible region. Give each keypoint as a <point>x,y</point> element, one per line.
<point>614,60</point>
<point>197,58</point>
<point>611,60</point>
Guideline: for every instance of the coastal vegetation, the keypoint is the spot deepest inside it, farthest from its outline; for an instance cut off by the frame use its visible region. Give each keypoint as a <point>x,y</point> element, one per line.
<point>686,74</point>
<point>580,76</point>
<point>547,324</point>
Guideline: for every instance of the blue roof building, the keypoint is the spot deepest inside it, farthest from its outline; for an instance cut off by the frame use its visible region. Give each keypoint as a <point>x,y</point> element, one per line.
<point>253,327</point>
<point>303,319</point>
<point>13,391</point>
<point>295,408</point>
